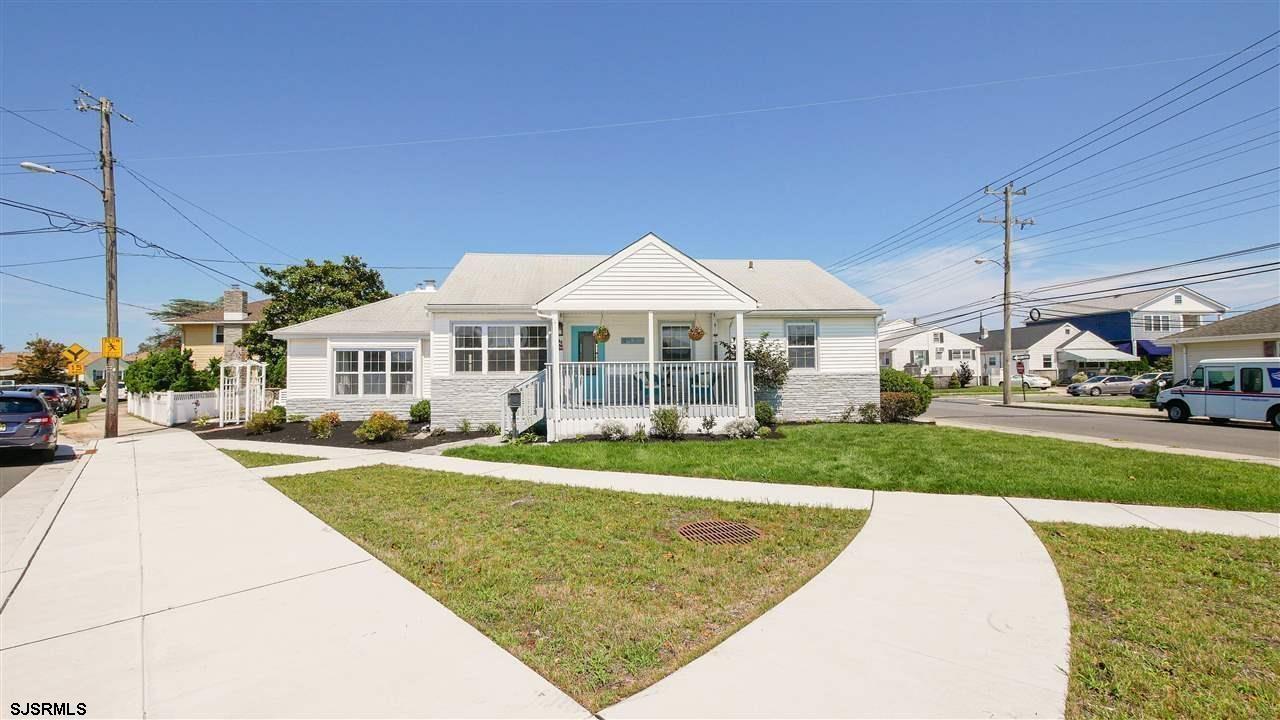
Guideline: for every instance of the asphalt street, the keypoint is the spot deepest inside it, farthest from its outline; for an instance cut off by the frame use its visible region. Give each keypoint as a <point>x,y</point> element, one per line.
<point>1245,438</point>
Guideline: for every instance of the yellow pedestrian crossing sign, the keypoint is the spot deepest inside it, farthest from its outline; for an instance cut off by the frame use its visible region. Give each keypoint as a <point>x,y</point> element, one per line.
<point>75,353</point>
<point>112,347</point>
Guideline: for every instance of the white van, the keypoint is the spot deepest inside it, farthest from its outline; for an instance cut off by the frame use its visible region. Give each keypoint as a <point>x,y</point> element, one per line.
<point>1225,390</point>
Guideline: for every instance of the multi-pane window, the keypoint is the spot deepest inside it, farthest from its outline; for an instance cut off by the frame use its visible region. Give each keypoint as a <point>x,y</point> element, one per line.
<point>938,353</point>
<point>499,348</point>
<point>919,357</point>
<point>676,344</point>
<point>468,355</point>
<point>802,345</point>
<point>502,348</point>
<point>219,333</point>
<point>533,348</point>
<point>401,372</point>
<point>1177,299</point>
<point>346,372</point>
<point>1046,361</point>
<point>960,354</point>
<point>937,337</point>
<point>1155,323</point>
<point>373,372</point>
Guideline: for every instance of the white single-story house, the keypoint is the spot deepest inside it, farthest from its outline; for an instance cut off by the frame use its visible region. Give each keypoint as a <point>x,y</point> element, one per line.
<point>934,350</point>
<point>676,328</point>
<point>1056,351</point>
<point>1253,334</point>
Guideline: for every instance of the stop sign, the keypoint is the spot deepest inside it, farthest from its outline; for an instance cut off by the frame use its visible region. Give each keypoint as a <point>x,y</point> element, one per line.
<point>1021,368</point>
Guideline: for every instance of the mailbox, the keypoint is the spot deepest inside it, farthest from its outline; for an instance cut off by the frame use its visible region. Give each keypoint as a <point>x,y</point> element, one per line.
<point>513,400</point>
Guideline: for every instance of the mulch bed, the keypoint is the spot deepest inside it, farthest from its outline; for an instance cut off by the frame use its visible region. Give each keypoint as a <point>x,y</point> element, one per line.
<point>343,436</point>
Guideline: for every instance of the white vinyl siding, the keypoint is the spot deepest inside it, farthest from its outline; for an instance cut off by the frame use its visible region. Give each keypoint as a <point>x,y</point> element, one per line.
<point>651,278</point>
<point>846,344</point>
<point>307,368</point>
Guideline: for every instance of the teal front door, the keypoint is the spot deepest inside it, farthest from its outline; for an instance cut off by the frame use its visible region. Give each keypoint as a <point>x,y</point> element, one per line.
<point>586,350</point>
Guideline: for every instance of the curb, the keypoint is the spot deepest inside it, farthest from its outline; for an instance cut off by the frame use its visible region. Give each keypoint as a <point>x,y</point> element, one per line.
<point>1088,410</point>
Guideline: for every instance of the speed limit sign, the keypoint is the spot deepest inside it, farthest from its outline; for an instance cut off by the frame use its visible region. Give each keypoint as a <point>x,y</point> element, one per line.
<point>1021,368</point>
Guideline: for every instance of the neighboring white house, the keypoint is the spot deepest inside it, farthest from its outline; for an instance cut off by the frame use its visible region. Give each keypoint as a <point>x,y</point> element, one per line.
<point>1055,352</point>
<point>934,350</point>
<point>1253,334</point>
<point>527,322</point>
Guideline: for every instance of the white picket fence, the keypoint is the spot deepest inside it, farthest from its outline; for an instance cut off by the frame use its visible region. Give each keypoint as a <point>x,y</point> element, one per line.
<point>173,408</point>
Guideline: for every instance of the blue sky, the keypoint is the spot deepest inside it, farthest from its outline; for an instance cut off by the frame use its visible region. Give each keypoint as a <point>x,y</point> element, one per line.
<point>234,101</point>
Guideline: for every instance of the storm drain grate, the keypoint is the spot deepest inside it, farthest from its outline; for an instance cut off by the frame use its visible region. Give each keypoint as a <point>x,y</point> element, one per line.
<point>718,532</point>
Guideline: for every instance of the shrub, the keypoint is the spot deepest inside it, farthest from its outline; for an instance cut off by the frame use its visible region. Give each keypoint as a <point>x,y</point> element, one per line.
<point>278,414</point>
<point>869,413</point>
<point>322,427</point>
<point>464,426</point>
<point>296,417</point>
<point>964,375</point>
<point>764,413</point>
<point>666,423</point>
<point>202,420</point>
<point>928,382</point>
<point>896,381</point>
<point>1079,377</point>
<point>527,438</point>
<point>741,428</point>
<point>612,430</point>
<point>639,435</point>
<point>381,427</point>
<point>421,411</point>
<point>708,424</point>
<point>770,358</point>
<point>264,422</point>
<point>492,428</point>
<point>899,406</point>
<point>169,369</point>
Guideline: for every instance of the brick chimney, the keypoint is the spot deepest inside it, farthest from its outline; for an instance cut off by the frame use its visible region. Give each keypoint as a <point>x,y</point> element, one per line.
<point>235,303</point>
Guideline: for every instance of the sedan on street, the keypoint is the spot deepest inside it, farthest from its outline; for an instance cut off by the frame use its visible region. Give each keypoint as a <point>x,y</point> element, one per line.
<point>1139,388</point>
<point>1029,381</point>
<point>1102,385</point>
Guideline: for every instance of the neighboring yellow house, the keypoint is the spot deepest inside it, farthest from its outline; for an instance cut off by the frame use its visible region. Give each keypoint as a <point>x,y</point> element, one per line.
<point>213,333</point>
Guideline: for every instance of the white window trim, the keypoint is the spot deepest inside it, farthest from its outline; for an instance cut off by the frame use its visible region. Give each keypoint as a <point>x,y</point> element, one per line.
<point>1046,360</point>
<point>1157,322</point>
<point>693,346</point>
<point>219,330</point>
<point>484,346</point>
<point>786,342</point>
<point>360,372</point>
<point>960,354</point>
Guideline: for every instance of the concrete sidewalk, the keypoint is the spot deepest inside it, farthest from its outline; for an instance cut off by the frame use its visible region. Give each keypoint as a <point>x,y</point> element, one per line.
<point>1225,522</point>
<point>942,607</point>
<point>174,583</point>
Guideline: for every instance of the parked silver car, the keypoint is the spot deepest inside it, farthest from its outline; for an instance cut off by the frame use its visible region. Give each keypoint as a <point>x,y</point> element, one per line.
<point>1102,385</point>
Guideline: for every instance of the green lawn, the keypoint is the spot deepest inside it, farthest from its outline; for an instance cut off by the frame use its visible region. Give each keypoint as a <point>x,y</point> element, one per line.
<point>927,458</point>
<point>70,418</point>
<point>1113,401</point>
<point>1167,624</point>
<point>252,459</point>
<point>593,589</point>
<point>980,390</point>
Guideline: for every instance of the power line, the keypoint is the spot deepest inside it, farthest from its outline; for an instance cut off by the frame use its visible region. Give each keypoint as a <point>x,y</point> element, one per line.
<point>74,292</point>
<point>1210,258</point>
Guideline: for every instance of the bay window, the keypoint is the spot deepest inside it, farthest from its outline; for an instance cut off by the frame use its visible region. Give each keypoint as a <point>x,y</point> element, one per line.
<point>802,345</point>
<point>499,348</point>
<point>373,372</point>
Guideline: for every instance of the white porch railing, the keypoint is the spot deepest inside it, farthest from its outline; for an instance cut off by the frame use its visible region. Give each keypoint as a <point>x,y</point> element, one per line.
<point>533,403</point>
<point>595,391</point>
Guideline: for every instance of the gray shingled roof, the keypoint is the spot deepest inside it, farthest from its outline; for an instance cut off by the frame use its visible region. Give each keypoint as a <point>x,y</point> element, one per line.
<point>1264,320</point>
<point>1023,337</point>
<point>253,311</point>
<point>1113,303</point>
<point>522,280</point>
<point>403,313</point>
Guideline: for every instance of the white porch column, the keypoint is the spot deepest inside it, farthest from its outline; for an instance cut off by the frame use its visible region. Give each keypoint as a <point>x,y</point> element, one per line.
<point>740,351</point>
<point>553,380</point>
<point>652,368</point>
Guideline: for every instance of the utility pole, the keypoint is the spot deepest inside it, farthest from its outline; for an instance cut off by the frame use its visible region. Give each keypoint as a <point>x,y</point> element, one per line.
<point>1008,221</point>
<point>105,109</point>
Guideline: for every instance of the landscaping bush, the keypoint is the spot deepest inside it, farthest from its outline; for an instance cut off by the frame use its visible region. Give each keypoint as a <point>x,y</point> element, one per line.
<point>896,381</point>
<point>421,411</point>
<point>278,414</point>
<point>492,428</point>
<point>964,375</point>
<point>264,422</point>
<point>381,427</point>
<point>953,382</point>
<point>295,417</point>
<point>1079,377</point>
<point>899,406</point>
<point>741,428</point>
<point>162,370</point>
<point>322,427</point>
<point>612,430</point>
<point>869,413</point>
<point>666,423</point>
<point>708,424</point>
<point>770,358</point>
<point>464,426</point>
<point>764,413</point>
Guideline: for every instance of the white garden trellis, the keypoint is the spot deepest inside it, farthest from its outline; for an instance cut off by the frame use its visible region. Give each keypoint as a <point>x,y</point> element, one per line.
<point>242,391</point>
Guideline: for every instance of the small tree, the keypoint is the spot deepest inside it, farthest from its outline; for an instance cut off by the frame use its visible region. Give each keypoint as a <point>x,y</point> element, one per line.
<point>165,370</point>
<point>42,362</point>
<point>964,374</point>
<point>770,358</point>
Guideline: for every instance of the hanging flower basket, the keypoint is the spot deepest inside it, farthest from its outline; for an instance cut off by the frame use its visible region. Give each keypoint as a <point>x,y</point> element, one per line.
<point>602,334</point>
<point>696,333</point>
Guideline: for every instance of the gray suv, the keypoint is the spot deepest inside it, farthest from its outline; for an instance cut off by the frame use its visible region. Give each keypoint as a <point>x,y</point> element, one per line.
<point>27,421</point>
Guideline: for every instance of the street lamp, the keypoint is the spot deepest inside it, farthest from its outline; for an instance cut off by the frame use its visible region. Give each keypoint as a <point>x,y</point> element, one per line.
<point>982,260</point>
<point>107,192</point>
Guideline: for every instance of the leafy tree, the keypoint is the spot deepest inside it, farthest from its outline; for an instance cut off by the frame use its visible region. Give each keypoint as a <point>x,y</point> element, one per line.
<point>304,292</point>
<point>169,369</point>
<point>964,374</point>
<point>42,362</point>
<point>170,336</point>
<point>770,358</point>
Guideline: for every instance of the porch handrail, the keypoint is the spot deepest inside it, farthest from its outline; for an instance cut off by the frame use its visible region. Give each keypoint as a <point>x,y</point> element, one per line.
<point>622,389</point>
<point>533,402</point>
